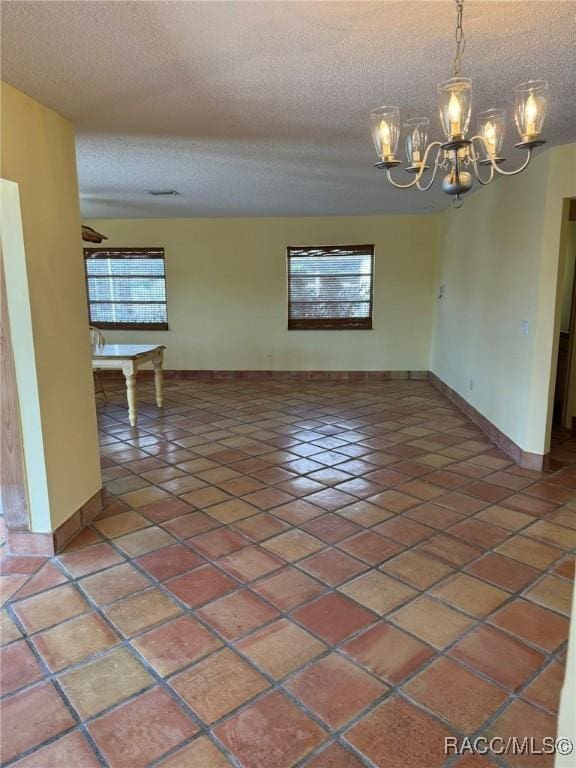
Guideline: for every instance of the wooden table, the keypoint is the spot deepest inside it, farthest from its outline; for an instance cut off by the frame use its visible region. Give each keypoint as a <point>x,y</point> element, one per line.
<point>129,357</point>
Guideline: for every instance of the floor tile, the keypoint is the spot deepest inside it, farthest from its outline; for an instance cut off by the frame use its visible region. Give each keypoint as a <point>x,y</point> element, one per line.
<point>48,576</point>
<point>118,525</point>
<point>378,592</point>
<point>114,583</point>
<point>191,525</point>
<point>200,585</point>
<point>549,533</point>
<point>218,685</point>
<point>293,545</point>
<point>454,693</point>
<point>142,729</point>
<point>44,713</point>
<point>201,753</point>
<point>365,514</point>
<point>75,640</point>
<point>297,512</point>
<point>143,496</point>
<point>90,559</point>
<point>404,530</point>
<point>72,749</point>
<point>285,735</point>
<point>237,614</point>
<point>333,617</point>
<point>331,528</point>
<point>522,720</point>
<point>503,571</point>
<point>9,632</point>
<point>219,542</point>
<point>260,527</point>
<point>104,682</point>
<point>288,588</point>
<point>399,735</point>
<point>432,621</point>
<point>417,569</point>
<point>470,595</point>
<point>533,624</point>
<point>397,501</point>
<point>51,607</point>
<point>171,561</point>
<point>552,592</point>
<point>205,497</point>
<point>250,563</point>
<point>334,756</point>
<point>498,655</point>
<point>232,510</point>
<point>18,667</point>
<point>146,540</point>
<point>529,551</point>
<point>141,611</point>
<point>335,689</point>
<point>449,549</point>
<point>545,690</point>
<point>504,517</point>
<point>176,644</point>
<point>332,566</point>
<point>433,515</point>
<point>388,652</point>
<point>280,648</point>
<point>371,547</point>
<point>160,511</point>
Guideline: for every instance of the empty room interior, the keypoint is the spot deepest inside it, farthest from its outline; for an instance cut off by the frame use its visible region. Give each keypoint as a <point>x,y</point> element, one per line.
<point>288,384</point>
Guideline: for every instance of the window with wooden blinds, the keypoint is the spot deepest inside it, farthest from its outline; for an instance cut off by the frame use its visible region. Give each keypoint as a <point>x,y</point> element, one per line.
<point>126,288</point>
<point>330,287</point>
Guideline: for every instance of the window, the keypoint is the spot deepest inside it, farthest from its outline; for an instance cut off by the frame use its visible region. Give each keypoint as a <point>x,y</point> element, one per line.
<point>330,288</point>
<point>126,288</point>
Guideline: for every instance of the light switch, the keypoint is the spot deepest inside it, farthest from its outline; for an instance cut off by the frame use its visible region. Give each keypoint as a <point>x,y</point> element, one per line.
<point>524,326</point>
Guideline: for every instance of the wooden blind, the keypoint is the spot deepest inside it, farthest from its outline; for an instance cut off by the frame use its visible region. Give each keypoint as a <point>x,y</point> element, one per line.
<point>126,288</point>
<point>330,287</point>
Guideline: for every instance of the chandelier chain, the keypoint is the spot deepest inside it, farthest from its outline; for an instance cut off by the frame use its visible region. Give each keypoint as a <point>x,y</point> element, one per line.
<point>460,40</point>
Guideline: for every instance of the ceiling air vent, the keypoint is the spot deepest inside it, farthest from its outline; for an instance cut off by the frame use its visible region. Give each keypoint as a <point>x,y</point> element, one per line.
<point>163,192</point>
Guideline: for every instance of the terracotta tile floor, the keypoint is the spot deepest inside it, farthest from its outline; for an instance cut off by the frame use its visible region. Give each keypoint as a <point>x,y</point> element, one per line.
<point>328,575</point>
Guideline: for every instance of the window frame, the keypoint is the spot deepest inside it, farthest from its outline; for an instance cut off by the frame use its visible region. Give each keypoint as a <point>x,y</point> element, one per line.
<point>145,252</point>
<point>330,324</point>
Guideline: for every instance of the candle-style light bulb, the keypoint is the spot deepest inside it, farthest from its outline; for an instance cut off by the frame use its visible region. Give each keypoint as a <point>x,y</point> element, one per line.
<point>490,137</point>
<point>416,143</point>
<point>454,114</point>
<point>385,138</point>
<point>531,115</point>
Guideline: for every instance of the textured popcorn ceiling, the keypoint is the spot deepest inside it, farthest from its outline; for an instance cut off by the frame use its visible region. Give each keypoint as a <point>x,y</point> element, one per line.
<point>261,108</point>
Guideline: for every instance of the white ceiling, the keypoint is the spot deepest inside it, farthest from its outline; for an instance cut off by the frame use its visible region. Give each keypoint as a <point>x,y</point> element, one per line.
<point>261,108</point>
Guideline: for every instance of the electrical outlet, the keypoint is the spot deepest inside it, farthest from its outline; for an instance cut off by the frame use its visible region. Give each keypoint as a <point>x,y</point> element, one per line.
<point>471,384</point>
<point>524,327</point>
<point>441,292</point>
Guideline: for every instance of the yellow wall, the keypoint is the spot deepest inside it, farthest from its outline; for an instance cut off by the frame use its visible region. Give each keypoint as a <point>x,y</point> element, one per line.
<point>499,265</point>
<point>37,148</point>
<point>227,300</point>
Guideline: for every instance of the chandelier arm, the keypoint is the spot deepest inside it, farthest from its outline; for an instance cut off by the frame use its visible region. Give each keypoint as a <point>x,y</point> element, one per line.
<point>495,166</point>
<point>418,176</point>
<point>426,187</point>
<point>482,181</point>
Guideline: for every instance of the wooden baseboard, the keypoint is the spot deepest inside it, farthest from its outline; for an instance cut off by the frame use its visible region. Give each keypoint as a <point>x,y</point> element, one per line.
<point>220,375</point>
<point>523,458</point>
<point>49,544</point>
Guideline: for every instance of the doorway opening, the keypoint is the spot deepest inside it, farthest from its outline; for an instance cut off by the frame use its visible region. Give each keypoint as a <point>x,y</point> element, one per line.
<point>564,415</point>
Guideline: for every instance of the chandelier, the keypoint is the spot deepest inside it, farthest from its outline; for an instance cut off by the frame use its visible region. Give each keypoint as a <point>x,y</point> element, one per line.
<point>459,156</point>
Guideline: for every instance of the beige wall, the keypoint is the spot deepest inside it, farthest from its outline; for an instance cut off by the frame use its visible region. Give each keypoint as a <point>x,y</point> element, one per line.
<point>227,300</point>
<point>500,266</point>
<point>53,361</point>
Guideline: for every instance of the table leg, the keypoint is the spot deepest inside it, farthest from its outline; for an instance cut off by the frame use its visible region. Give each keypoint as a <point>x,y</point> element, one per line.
<point>158,380</point>
<point>129,371</point>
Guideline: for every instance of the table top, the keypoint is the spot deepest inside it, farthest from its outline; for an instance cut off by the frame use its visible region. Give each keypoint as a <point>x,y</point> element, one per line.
<point>123,351</point>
